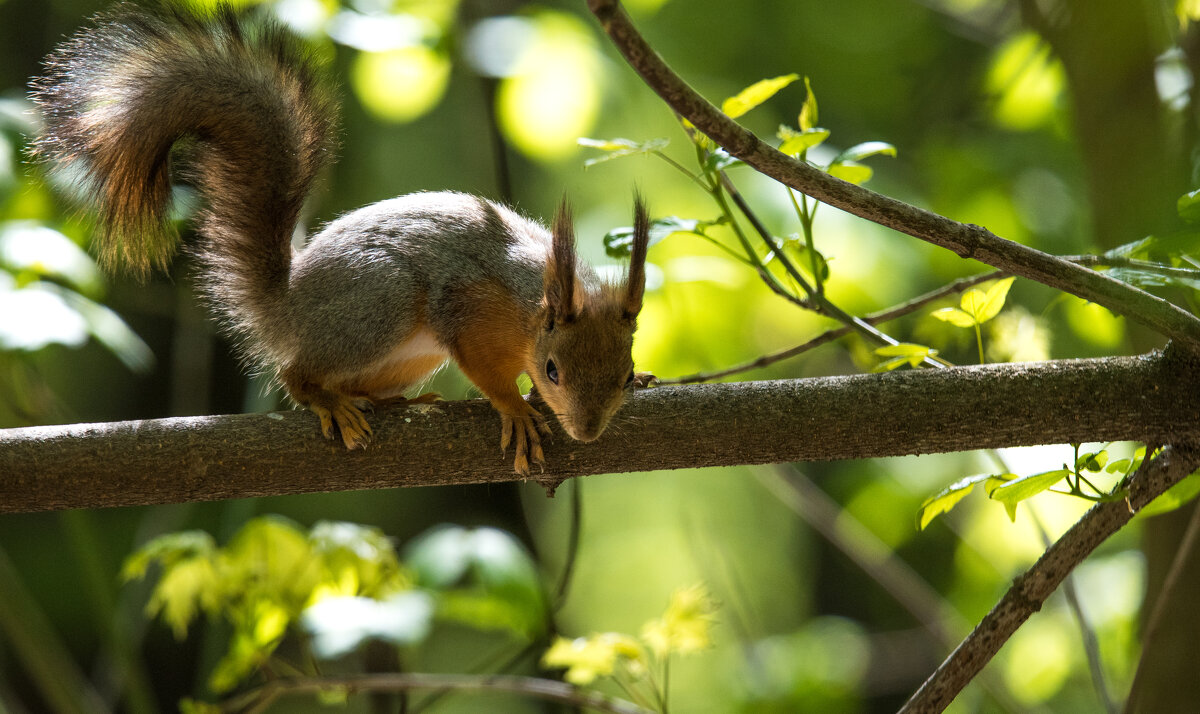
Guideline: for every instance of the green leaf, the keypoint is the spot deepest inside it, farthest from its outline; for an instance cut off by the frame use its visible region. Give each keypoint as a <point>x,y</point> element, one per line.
<point>619,241</point>
<point>1178,495</point>
<point>1188,206</point>
<point>185,589</point>
<point>719,160</point>
<point>167,550</point>
<point>755,94</point>
<point>1119,466</point>
<point>954,316</point>
<point>942,501</point>
<point>1017,490</point>
<point>1092,461</point>
<point>1148,278</point>
<point>851,171</point>
<point>616,148</point>
<point>984,306</point>
<point>795,142</point>
<point>1160,248</point>
<point>903,353</point>
<point>865,150</point>
<point>808,112</point>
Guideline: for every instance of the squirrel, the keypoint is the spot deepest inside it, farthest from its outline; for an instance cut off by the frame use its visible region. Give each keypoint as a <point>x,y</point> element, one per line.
<point>378,299</point>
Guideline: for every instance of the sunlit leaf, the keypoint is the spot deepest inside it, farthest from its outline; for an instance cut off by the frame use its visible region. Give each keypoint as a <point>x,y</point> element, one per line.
<point>587,658</point>
<point>186,588</point>
<point>808,112</point>
<point>685,626</point>
<point>903,353</point>
<point>1178,495</point>
<point>167,550</point>
<point>755,94</point>
<point>984,306</point>
<point>851,171</point>
<point>1017,490</point>
<point>954,316</point>
<point>1092,461</point>
<point>616,148</point>
<point>946,499</point>
<point>795,142</point>
<point>867,149</point>
<point>1120,466</point>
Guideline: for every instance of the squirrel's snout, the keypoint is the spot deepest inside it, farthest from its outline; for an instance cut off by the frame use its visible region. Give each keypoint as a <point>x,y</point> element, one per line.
<point>585,430</point>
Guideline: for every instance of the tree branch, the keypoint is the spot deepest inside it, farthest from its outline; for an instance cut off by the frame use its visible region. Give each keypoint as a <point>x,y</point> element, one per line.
<point>968,241</point>
<point>1031,589</point>
<point>1153,398</point>
<point>545,689</point>
<point>875,318</point>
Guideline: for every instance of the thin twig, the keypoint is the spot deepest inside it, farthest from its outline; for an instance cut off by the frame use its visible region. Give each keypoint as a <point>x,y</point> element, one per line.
<point>891,313</point>
<point>967,241</point>
<point>545,689</point>
<point>1032,588</point>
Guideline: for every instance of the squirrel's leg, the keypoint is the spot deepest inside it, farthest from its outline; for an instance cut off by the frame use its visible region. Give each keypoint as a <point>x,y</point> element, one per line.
<point>495,373</point>
<point>331,408</point>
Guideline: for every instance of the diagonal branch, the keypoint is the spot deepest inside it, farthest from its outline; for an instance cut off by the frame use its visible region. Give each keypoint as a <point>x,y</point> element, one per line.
<point>1032,588</point>
<point>875,318</point>
<point>1154,398</point>
<point>968,241</point>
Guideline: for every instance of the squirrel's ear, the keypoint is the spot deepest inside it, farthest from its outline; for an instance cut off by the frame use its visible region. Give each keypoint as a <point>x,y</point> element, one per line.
<point>635,284</point>
<point>559,285</point>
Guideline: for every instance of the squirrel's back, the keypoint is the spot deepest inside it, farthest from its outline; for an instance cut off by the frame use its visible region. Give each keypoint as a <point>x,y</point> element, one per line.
<point>258,127</point>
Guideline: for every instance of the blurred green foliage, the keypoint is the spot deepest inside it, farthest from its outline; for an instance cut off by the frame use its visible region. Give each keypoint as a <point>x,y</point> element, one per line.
<point>493,98</point>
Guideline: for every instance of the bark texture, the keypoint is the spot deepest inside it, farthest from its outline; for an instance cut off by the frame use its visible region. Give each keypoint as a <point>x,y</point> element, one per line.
<point>1153,398</point>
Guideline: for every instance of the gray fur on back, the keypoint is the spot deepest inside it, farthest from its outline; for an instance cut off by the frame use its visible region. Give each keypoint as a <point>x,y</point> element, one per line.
<point>354,292</point>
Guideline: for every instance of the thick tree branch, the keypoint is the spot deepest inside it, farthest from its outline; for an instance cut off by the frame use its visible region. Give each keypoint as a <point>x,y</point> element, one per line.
<point>1154,398</point>
<point>1032,588</point>
<point>968,241</point>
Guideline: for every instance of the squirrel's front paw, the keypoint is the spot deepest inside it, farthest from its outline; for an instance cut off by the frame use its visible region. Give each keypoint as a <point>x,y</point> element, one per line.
<point>525,431</point>
<point>642,380</point>
<point>340,410</point>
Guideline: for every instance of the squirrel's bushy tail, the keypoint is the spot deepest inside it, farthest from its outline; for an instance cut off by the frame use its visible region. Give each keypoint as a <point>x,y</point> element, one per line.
<point>256,127</point>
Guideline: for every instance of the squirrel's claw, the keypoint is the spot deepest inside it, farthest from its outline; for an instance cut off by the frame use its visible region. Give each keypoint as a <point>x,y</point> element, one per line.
<point>351,424</point>
<point>523,430</point>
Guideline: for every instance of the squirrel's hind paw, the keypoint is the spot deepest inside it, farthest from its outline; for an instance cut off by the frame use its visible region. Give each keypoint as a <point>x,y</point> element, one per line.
<point>340,410</point>
<point>524,432</point>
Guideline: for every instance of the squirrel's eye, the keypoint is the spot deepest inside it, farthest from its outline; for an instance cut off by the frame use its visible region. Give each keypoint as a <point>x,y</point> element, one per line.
<point>551,371</point>
<point>629,380</point>
<point>550,325</point>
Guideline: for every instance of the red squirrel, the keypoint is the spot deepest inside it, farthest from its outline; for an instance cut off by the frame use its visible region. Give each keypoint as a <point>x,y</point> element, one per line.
<point>382,296</point>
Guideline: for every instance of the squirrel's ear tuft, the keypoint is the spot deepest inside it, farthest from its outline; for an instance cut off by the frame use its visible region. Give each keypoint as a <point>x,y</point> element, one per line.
<point>559,284</point>
<point>635,284</point>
